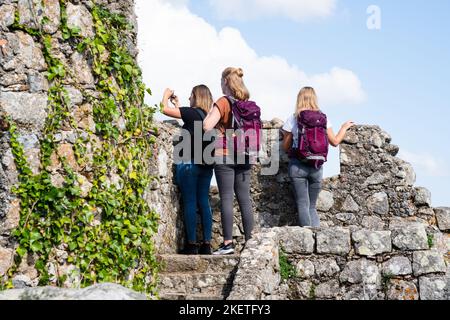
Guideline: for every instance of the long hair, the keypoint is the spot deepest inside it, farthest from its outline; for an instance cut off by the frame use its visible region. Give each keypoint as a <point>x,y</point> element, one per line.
<point>306,100</point>
<point>202,98</point>
<point>235,82</point>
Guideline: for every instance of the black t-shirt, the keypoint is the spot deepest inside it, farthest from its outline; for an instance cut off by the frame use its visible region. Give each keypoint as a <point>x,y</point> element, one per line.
<point>189,117</point>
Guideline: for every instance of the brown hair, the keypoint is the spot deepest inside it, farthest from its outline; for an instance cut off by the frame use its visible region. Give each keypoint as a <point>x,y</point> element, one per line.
<point>306,100</point>
<point>235,83</point>
<point>202,98</point>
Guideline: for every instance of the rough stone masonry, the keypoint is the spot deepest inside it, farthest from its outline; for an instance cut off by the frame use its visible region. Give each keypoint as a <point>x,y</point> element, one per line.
<point>380,238</point>
<point>24,91</point>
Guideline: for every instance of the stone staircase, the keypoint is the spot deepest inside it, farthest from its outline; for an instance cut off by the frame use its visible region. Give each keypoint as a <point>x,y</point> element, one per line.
<point>196,277</point>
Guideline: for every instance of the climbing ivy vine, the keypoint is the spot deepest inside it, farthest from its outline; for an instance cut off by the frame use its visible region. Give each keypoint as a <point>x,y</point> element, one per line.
<point>108,232</point>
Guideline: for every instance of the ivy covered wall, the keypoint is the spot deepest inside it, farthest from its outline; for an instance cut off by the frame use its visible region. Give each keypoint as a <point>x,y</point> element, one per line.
<point>76,142</point>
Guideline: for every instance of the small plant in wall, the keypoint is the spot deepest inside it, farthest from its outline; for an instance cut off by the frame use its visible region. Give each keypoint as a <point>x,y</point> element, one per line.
<point>430,238</point>
<point>386,280</point>
<point>287,270</point>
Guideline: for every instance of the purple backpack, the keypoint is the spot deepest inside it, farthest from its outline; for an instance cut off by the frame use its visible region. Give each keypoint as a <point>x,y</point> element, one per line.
<point>312,138</point>
<point>247,125</point>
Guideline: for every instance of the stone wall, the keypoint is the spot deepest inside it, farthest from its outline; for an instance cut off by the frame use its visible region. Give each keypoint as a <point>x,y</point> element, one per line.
<point>24,92</point>
<point>164,195</point>
<point>339,264</point>
<point>374,190</point>
<point>380,238</point>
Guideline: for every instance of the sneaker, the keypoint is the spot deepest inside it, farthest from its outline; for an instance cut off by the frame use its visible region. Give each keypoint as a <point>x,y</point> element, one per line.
<point>205,249</point>
<point>225,249</point>
<point>190,249</point>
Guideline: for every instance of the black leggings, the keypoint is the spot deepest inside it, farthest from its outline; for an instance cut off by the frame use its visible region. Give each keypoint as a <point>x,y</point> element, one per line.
<point>235,178</point>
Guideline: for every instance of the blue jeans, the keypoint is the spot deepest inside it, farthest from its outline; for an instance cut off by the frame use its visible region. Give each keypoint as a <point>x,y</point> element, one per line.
<point>307,182</point>
<point>194,182</point>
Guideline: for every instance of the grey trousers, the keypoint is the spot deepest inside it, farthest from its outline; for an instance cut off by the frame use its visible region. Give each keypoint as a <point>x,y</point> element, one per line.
<point>307,182</point>
<point>234,179</point>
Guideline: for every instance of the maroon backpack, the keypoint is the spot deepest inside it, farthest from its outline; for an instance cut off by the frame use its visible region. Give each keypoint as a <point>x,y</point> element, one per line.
<point>247,125</point>
<point>312,138</point>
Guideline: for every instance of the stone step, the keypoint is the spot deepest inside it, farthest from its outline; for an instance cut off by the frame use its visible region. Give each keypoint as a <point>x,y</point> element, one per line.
<point>216,284</point>
<point>178,296</point>
<point>176,263</point>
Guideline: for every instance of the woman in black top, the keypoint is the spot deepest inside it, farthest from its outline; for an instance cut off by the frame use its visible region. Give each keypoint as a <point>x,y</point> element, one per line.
<point>193,178</point>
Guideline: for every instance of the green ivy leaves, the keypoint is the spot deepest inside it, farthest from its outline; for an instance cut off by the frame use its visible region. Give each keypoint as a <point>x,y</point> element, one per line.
<point>107,233</point>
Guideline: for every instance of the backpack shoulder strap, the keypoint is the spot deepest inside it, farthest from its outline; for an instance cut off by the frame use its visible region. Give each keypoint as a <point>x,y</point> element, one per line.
<point>201,113</point>
<point>231,100</point>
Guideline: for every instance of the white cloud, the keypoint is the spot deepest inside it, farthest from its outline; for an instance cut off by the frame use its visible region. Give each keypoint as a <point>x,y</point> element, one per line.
<point>298,10</point>
<point>180,50</point>
<point>426,163</point>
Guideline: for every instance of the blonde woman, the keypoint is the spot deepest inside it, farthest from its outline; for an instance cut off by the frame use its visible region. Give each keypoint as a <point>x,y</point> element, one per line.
<point>193,178</point>
<point>307,134</point>
<point>232,176</point>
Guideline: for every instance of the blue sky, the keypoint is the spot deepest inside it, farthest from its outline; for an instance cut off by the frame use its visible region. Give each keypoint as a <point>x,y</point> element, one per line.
<point>398,77</point>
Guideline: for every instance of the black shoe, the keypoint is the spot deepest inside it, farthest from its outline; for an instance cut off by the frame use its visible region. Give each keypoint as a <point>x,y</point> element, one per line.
<point>224,249</point>
<point>205,249</point>
<point>190,249</point>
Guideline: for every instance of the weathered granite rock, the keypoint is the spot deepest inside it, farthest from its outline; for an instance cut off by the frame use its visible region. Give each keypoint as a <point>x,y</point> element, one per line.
<point>297,240</point>
<point>409,236</point>
<point>83,116</point>
<point>362,292</point>
<point>79,17</point>
<point>425,262</point>
<point>25,108</point>
<point>258,272</point>
<point>105,291</point>
<point>350,205</point>
<point>21,52</point>
<point>443,218</point>
<point>75,95</point>
<point>436,288</point>
<point>378,203</point>
<point>423,197</point>
<point>303,290</point>
<point>325,201</point>
<point>402,290</point>
<point>6,15</point>
<point>15,80</point>
<point>327,290</point>
<point>361,271</point>
<point>397,266</point>
<point>405,173</point>
<point>373,223</point>
<point>12,218</point>
<point>333,241</point>
<point>6,260</point>
<point>37,82</point>
<point>81,69</point>
<point>305,269</point>
<point>326,268</point>
<point>376,178</point>
<point>371,243</point>
<point>347,218</point>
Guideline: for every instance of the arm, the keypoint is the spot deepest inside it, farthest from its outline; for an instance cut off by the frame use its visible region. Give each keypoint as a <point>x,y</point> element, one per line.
<point>335,140</point>
<point>173,112</point>
<point>212,119</point>
<point>287,140</point>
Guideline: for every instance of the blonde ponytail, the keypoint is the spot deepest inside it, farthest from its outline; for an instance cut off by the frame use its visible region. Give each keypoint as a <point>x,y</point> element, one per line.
<point>235,82</point>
